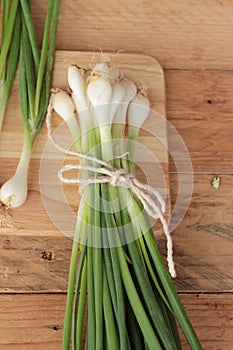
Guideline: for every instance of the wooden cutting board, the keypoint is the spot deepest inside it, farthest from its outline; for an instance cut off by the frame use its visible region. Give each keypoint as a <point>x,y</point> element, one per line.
<point>21,249</point>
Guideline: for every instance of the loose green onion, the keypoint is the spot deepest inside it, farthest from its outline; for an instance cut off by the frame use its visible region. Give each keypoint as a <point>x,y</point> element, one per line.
<point>9,52</point>
<point>34,87</point>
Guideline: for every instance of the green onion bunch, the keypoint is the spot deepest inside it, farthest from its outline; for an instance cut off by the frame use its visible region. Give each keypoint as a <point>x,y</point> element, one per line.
<point>120,294</point>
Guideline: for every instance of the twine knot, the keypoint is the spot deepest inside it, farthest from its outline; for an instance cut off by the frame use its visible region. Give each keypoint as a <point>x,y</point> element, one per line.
<point>116,177</point>
<point>120,177</point>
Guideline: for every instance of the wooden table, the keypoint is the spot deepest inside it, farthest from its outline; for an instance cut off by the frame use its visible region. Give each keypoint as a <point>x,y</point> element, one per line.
<point>192,40</point>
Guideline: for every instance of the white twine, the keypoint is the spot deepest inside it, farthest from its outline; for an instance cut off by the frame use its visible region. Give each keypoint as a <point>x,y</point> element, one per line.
<point>115,177</point>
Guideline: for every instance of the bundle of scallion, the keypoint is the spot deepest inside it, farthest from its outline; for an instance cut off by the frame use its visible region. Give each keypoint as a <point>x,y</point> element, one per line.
<point>35,73</point>
<point>120,284</point>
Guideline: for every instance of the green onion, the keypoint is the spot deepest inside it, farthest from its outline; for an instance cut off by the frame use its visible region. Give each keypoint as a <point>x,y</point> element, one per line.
<point>9,52</point>
<point>131,301</point>
<point>34,90</point>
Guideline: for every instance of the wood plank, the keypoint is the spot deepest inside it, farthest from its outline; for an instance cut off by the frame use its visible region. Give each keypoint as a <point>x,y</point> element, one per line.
<point>34,263</point>
<point>203,241</point>
<point>190,34</point>
<point>34,321</point>
<point>199,105</point>
<point>203,245</point>
<point>207,91</point>
<point>31,321</point>
<point>211,316</point>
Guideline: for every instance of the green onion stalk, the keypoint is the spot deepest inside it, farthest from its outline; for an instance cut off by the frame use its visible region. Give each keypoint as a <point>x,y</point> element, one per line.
<point>9,53</point>
<point>120,293</point>
<point>35,73</point>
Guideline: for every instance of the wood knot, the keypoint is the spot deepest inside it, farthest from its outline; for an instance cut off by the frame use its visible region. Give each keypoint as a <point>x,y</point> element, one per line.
<point>47,255</point>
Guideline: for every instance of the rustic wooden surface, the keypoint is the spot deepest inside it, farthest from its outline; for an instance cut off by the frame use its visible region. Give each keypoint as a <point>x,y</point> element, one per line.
<point>180,34</point>
<point>192,40</point>
<point>34,321</point>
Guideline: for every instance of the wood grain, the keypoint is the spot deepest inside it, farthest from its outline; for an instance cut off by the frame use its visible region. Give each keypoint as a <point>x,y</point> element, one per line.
<point>31,321</point>
<point>25,266</point>
<point>35,321</point>
<point>199,105</point>
<point>203,245</point>
<point>212,318</point>
<point>203,241</point>
<point>180,34</point>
